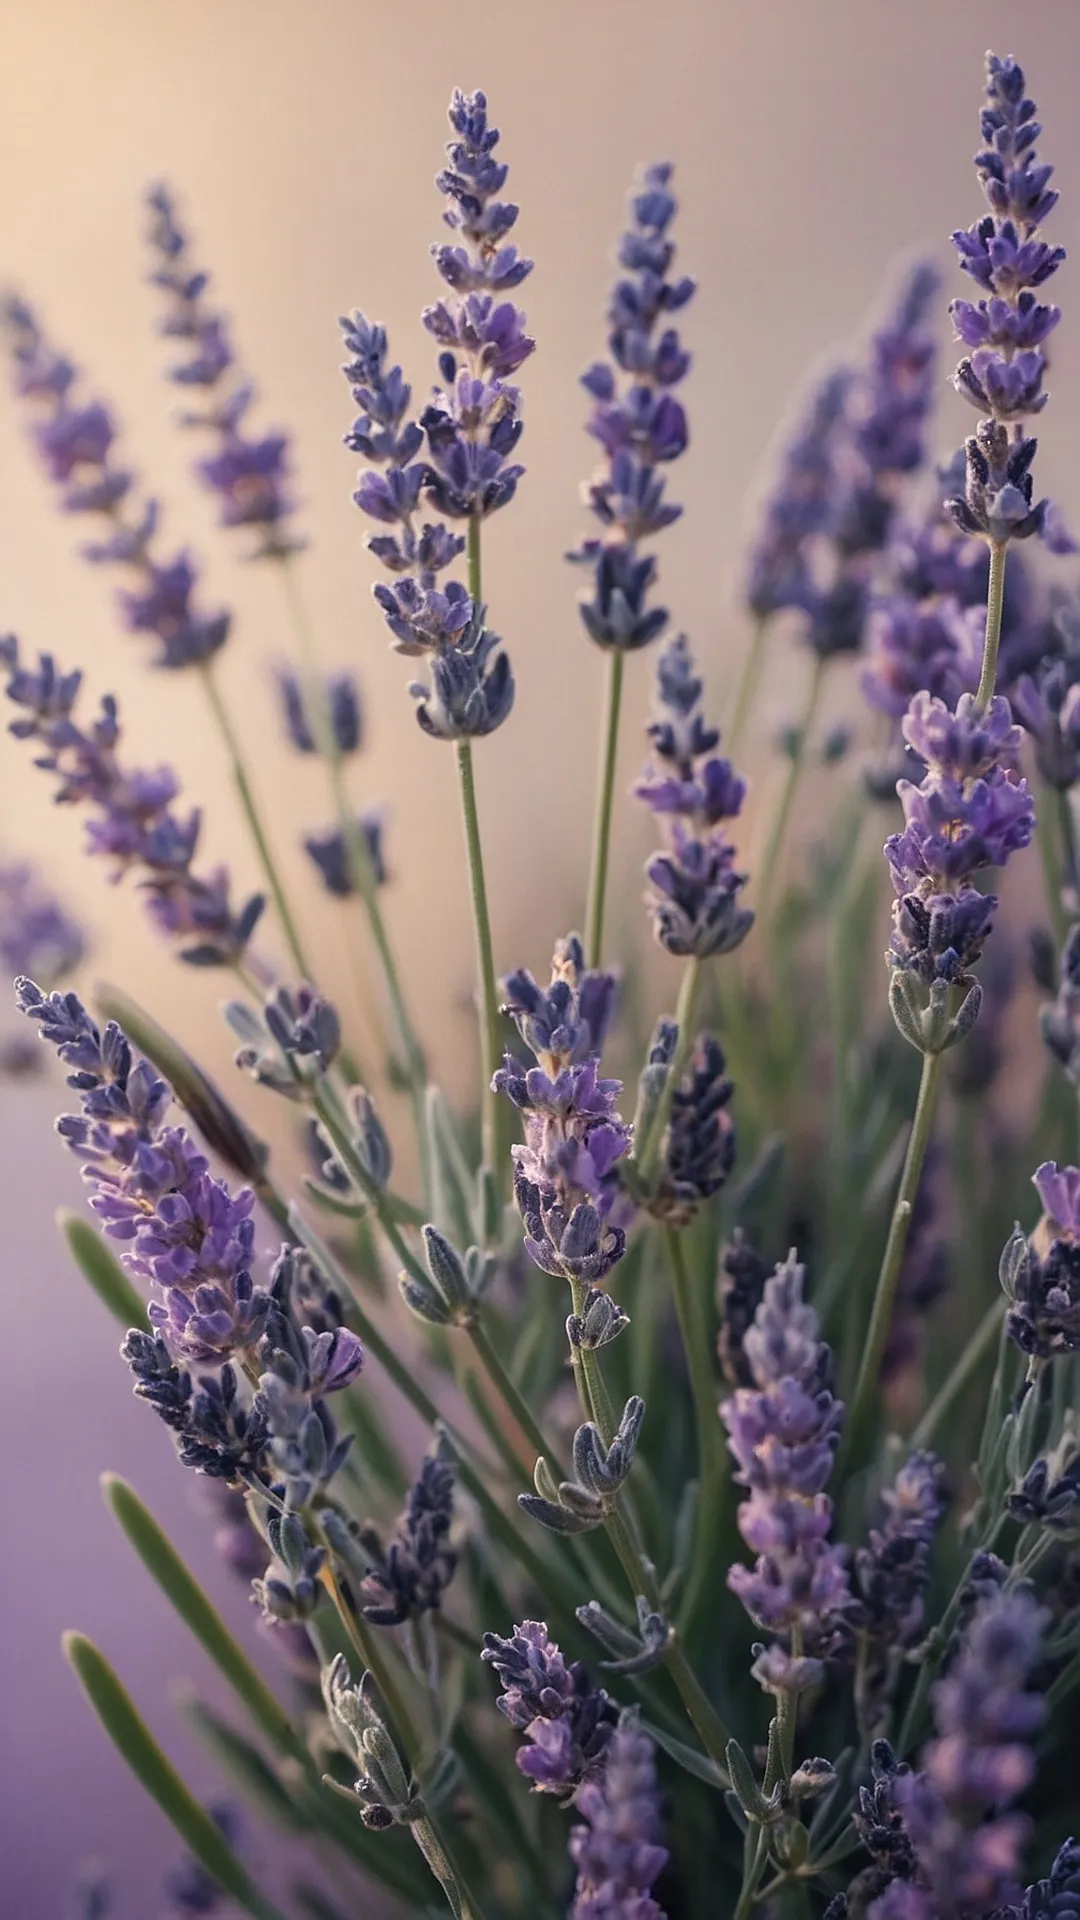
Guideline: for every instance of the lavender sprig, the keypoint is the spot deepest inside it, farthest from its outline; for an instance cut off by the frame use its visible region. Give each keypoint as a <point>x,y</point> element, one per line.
<point>617,1852</point>
<point>456,457</point>
<point>36,935</point>
<point>565,1182</point>
<point>133,823</point>
<point>638,422</point>
<point>694,899</point>
<point>249,476</point>
<point>74,438</point>
<point>568,1723</point>
<point>1009,261</point>
<point>967,1845</point>
<point>783,1433</point>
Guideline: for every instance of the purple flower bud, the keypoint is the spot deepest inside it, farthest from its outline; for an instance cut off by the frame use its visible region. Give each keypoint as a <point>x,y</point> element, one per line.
<point>568,1723</point>
<point>617,1852</point>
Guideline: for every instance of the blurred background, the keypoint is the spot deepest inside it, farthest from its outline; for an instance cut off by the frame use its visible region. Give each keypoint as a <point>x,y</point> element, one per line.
<point>815,145</point>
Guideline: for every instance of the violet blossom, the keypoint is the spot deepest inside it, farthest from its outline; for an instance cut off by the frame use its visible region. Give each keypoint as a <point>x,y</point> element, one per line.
<point>956,1809</point>
<point>1040,1274</point>
<point>972,810</point>
<point>617,1851</point>
<point>75,438</point>
<point>456,458</point>
<point>132,821</point>
<point>409,1575</point>
<point>568,1723</point>
<point>36,935</point>
<point>694,896</point>
<point>638,422</point>
<point>249,475</point>
<point>565,1179</point>
<point>783,1432</point>
<point>1006,330</point>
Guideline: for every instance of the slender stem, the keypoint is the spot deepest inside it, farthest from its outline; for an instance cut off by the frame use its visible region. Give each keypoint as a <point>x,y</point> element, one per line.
<point>980,1344</point>
<point>754,1867</point>
<point>712,1453</point>
<point>512,1399</point>
<point>647,1152</point>
<point>866,1385</point>
<point>601,847</point>
<point>774,846</point>
<point>1047,837</point>
<point>357,855</point>
<point>251,813</point>
<point>494,1128</point>
<point>994,601</point>
<point>638,1569</point>
<point>748,683</point>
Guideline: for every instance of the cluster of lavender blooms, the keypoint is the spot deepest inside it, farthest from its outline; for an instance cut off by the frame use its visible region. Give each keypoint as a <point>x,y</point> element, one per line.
<point>1041,1273</point>
<point>783,1433</point>
<point>133,822</point>
<point>74,439</point>
<point>694,900</point>
<point>971,810</point>
<point>1008,260</point>
<point>455,459</point>
<point>249,476</point>
<point>638,422</point>
<point>876,1588</point>
<point>617,1852</point>
<point>836,497</point>
<point>567,1722</point>
<point>957,1843</point>
<point>193,1239</point>
<point>565,1179</point>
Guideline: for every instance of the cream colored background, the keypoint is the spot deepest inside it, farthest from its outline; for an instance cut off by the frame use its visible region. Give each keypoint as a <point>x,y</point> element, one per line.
<point>815,141</point>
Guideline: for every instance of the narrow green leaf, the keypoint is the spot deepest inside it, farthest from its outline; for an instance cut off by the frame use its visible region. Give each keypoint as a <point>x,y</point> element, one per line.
<point>688,1758</point>
<point>180,1586</point>
<point>133,1740</point>
<point>240,1760</point>
<point>98,1263</point>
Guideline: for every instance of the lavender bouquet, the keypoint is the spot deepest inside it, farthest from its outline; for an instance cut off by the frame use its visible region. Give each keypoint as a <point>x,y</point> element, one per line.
<point>744,1581</point>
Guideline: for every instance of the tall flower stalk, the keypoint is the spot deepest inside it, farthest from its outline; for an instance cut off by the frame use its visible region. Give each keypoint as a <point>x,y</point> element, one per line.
<point>640,426</point>
<point>972,810</point>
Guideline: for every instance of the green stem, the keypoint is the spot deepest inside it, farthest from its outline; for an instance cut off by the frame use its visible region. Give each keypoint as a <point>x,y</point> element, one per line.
<point>712,1453</point>
<point>512,1399</point>
<point>748,683</point>
<point>866,1385</point>
<point>357,855</point>
<point>769,867</point>
<point>994,600</point>
<point>754,1867</point>
<point>638,1569</point>
<point>493,1125</point>
<point>601,847</point>
<point>251,813</point>
<point>980,1344</point>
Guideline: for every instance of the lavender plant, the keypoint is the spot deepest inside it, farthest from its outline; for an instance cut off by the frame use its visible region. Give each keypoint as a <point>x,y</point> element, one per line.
<point>774,1561</point>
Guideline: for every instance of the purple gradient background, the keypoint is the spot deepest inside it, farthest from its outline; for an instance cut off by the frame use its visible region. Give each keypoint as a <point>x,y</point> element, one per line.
<point>815,142</point>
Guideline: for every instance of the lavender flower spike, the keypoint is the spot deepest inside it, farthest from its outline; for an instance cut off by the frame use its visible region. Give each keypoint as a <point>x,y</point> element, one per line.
<point>1008,260</point>
<point>133,822</point>
<point>1041,1274</point>
<point>185,1232</point>
<point>638,422</point>
<point>694,899</point>
<point>972,810</point>
<point>408,1577</point>
<point>565,1181</point>
<point>801,506</point>
<point>967,1845</point>
<point>616,1852</point>
<point>457,458</point>
<point>249,476</point>
<point>784,1432</point>
<point>75,439</point>
<point>568,1723</point>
